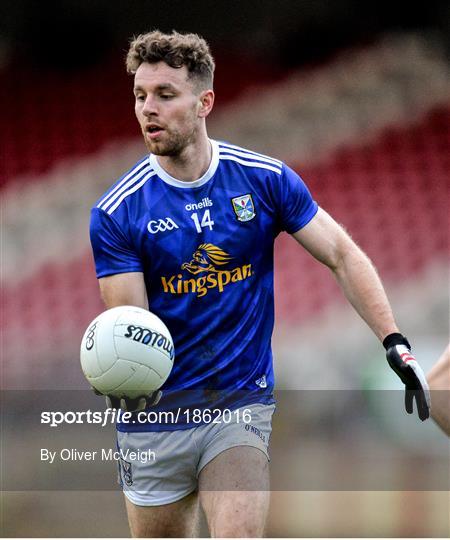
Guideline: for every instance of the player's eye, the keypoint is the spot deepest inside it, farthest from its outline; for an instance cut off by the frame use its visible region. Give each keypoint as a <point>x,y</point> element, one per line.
<point>140,98</point>
<point>167,96</point>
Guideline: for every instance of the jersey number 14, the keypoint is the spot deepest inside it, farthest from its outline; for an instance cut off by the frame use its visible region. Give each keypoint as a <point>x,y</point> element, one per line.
<point>205,222</point>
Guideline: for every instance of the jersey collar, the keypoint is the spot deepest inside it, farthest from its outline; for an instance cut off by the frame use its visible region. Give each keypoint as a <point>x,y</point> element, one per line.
<point>182,184</point>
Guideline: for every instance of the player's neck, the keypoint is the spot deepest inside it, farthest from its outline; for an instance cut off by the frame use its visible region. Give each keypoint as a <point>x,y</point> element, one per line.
<point>192,163</point>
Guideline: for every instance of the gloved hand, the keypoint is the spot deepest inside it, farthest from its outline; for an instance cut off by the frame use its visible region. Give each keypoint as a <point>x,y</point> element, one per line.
<point>398,354</point>
<point>130,404</point>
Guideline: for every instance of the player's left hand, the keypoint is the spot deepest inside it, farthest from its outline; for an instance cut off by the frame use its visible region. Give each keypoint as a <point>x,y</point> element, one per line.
<point>130,404</point>
<point>401,360</point>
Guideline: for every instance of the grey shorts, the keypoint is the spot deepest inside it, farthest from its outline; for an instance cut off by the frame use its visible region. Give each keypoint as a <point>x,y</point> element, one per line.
<point>162,467</point>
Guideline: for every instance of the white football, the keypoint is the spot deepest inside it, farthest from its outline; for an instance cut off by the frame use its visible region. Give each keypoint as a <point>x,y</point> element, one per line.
<point>127,352</point>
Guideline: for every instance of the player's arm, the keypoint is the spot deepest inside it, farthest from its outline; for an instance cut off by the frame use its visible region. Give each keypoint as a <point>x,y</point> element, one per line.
<point>121,280</point>
<point>439,381</point>
<point>330,244</point>
<point>127,289</point>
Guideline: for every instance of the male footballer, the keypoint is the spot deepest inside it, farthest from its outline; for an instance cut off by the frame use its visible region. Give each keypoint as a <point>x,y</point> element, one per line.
<point>188,232</point>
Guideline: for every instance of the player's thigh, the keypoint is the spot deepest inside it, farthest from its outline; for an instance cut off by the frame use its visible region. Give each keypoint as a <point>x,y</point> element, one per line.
<point>174,520</point>
<point>234,492</point>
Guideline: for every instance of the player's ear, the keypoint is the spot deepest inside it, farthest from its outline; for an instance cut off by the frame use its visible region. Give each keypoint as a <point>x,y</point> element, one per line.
<point>206,102</point>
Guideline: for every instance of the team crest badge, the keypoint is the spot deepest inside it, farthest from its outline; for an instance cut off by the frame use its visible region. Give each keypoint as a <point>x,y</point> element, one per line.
<point>126,472</point>
<point>243,207</point>
<point>262,382</point>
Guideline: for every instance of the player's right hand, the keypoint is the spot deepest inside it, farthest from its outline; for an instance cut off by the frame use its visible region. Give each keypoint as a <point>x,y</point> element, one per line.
<point>130,404</point>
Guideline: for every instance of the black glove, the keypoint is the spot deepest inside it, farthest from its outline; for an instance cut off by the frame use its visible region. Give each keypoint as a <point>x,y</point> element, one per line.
<point>398,354</point>
<point>130,404</point>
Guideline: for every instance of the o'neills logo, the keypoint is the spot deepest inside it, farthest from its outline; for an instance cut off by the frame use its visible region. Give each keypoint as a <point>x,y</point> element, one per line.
<point>206,260</point>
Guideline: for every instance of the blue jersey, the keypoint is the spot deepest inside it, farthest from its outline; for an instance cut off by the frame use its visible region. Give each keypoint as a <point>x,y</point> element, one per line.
<point>205,249</point>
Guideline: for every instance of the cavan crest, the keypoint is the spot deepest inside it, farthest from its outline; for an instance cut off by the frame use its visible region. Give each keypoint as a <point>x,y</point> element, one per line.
<point>243,207</point>
<point>126,472</point>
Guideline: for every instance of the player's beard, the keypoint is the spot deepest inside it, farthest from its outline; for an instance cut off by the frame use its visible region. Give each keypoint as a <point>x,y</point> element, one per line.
<point>172,143</point>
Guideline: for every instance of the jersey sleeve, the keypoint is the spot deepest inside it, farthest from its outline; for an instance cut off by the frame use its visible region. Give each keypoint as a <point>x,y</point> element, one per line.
<point>113,252</point>
<point>296,205</point>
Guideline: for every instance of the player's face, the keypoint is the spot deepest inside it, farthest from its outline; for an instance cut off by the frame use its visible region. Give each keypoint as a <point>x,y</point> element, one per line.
<point>167,107</point>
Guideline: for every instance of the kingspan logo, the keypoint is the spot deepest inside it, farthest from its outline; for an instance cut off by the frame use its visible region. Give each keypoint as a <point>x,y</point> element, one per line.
<point>208,261</point>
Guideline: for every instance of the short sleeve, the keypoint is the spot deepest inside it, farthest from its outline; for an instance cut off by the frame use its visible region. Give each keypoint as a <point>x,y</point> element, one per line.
<point>113,252</point>
<point>296,205</point>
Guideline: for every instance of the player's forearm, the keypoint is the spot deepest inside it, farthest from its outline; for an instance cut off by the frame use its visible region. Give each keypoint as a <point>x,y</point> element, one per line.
<point>439,380</point>
<point>364,290</point>
<point>124,290</point>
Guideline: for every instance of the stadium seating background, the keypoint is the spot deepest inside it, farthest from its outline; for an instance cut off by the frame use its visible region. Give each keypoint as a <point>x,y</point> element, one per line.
<point>364,120</point>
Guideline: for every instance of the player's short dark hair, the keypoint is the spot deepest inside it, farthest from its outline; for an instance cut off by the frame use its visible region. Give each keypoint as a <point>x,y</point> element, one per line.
<point>176,50</point>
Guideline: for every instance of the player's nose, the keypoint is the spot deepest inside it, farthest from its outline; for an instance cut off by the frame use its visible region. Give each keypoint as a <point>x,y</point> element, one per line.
<point>150,107</point>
